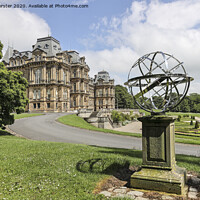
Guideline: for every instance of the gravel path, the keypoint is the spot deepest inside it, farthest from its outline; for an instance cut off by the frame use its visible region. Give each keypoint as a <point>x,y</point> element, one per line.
<point>133,127</point>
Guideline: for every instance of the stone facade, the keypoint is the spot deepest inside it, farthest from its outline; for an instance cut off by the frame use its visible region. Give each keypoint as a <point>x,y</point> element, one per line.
<point>59,80</point>
<point>104,95</point>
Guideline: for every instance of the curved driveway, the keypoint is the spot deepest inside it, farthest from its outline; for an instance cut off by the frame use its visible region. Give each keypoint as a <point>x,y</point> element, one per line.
<point>45,128</point>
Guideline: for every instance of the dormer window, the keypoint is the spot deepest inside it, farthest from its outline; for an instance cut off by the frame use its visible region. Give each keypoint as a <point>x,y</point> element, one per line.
<point>74,72</point>
<point>46,46</point>
<point>12,63</point>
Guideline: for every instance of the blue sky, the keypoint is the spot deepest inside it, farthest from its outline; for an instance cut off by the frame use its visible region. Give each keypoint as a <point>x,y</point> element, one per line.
<point>75,24</point>
<point>111,34</point>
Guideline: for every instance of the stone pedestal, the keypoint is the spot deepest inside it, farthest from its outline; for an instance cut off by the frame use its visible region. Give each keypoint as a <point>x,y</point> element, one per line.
<point>159,171</point>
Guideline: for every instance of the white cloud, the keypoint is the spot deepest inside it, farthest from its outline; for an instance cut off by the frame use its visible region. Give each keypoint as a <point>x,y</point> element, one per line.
<point>21,28</point>
<point>172,27</point>
<point>82,1</point>
<point>9,1</point>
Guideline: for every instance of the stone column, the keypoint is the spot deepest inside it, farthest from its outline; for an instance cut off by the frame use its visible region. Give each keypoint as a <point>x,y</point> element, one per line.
<point>61,76</point>
<point>51,73</point>
<point>30,75</point>
<point>44,74</point>
<point>159,171</point>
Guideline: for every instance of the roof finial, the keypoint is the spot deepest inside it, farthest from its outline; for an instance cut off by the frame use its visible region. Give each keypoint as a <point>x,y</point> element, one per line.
<point>48,32</point>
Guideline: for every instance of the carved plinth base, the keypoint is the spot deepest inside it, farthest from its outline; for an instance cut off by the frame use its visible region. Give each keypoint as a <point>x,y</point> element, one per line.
<point>169,181</point>
<point>159,171</point>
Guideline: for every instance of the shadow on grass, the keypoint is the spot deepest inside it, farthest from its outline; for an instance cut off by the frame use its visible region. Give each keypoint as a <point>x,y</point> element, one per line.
<point>120,169</point>
<point>4,133</point>
<point>122,172</point>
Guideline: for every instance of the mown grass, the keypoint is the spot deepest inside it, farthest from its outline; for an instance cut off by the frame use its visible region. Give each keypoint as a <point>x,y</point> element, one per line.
<point>74,120</point>
<point>47,170</point>
<point>184,124</point>
<point>24,115</point>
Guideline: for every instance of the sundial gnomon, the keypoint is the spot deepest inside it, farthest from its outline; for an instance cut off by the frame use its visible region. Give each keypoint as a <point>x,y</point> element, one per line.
<point>158,82</point>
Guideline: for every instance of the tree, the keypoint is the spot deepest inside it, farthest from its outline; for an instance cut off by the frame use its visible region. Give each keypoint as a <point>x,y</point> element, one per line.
<point>122,98</point>
<point>12,93</point>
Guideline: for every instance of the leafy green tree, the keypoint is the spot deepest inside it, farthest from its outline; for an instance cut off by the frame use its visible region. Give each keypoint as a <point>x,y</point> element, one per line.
<point>184,106</point>
<point>12,93</point>
<point>122,98</point>
<point>158,101</point>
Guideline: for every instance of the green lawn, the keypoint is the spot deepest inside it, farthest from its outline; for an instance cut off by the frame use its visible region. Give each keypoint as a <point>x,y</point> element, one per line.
<point>47,170</point>
<point>24,115</point>
<point>74,120</point>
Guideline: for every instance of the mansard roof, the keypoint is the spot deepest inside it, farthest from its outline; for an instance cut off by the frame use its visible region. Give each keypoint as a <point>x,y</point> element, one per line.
<point>48,44</point>
<point>11,53</point>
<point>103,75</point>
<point>75,56</point>
<point>8,54</point>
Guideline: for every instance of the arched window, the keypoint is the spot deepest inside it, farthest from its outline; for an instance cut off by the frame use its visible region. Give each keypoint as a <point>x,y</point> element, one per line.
<point>38,76</point>
<point>34,94</point>
<point>74,101</point>
<point>74,72</point>
<point>65,94</point>
<point>100,92</point>
<point>48,94</point>
<point>56,75</point>
<point>74,87</point>
<point>56,93</point>
<point>48,76</point>
<point>64,77</point>
<point>38,94</point>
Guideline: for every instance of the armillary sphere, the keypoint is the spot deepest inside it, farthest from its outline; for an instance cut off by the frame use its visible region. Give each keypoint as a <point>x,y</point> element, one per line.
<point>158,82</point>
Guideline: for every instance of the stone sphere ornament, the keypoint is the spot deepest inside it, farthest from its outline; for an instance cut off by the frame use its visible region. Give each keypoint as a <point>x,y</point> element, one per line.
<point>158,82</point>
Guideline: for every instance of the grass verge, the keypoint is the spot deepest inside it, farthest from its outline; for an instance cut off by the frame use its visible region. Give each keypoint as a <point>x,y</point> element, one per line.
<point>47,170</point>
<point>74,120</point>
<point>24,115</point>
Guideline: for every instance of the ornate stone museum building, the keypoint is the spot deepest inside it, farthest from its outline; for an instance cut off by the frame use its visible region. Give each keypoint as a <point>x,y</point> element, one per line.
<point>59,80</point>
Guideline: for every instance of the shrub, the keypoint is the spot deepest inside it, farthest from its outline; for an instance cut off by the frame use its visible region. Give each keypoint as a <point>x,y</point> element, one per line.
<point>179,118</point>
<point>196,125</point>
<point>123,117</point>
<point>128,117</point>
<point>116,116</point>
